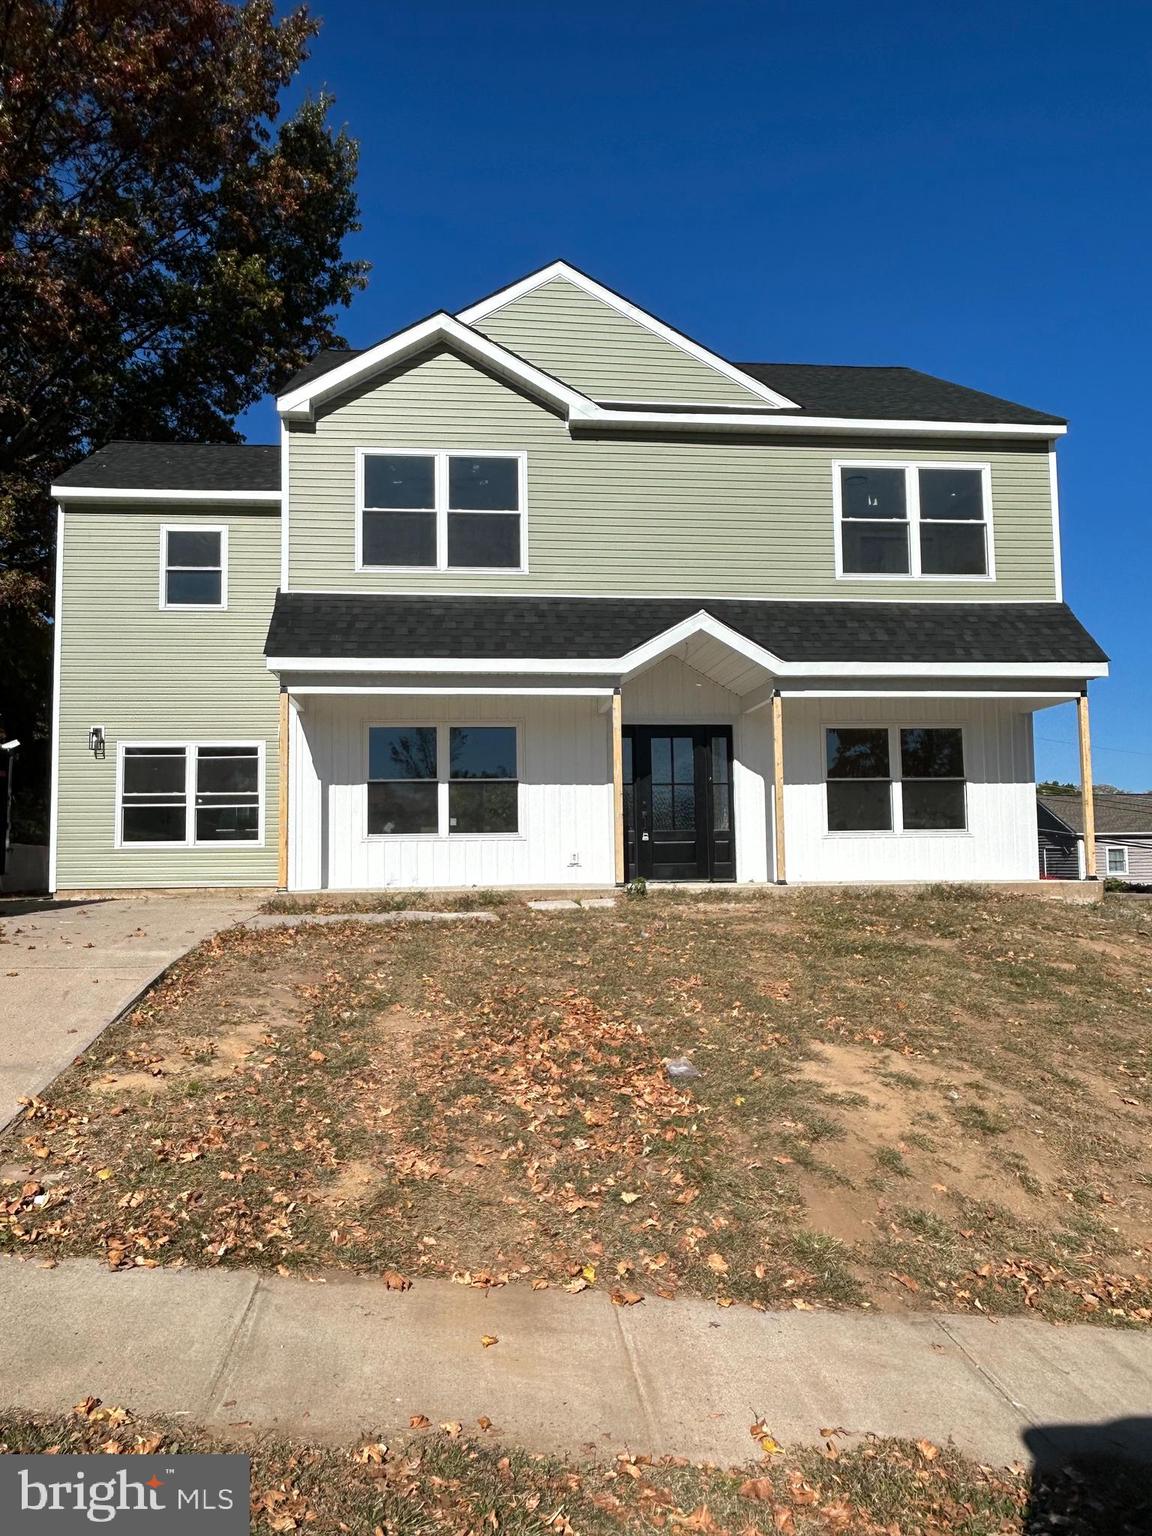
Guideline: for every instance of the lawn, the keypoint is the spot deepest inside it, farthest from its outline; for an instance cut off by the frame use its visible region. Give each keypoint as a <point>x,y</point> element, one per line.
<point>904,1101</point>
<point>442,1480</point>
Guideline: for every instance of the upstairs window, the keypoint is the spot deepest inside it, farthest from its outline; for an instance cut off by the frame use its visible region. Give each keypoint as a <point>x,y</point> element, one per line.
<point>895,779</point>
<point>193,567</point>
<point>441,511</point>
<point>921,521</point>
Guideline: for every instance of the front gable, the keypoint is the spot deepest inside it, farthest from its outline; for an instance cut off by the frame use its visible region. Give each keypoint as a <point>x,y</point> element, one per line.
<point>599,343</point>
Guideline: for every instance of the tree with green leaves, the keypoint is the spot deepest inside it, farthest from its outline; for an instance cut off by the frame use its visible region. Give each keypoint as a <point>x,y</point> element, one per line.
<point>170,250</point>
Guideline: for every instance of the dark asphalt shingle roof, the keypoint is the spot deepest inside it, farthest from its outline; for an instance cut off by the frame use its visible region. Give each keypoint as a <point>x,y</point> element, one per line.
<point>1116,815</point>
<point>129,466</point>
<point>892,394</point>
<point>355,627</point>
<point>830,389</point>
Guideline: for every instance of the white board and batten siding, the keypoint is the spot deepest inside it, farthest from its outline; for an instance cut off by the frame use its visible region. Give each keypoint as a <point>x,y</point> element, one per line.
<point>565,835</point>
<point>1000,840</point>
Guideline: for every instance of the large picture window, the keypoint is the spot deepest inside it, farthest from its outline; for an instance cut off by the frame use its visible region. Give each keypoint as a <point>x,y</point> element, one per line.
<point>441,511</point>
<point>443,781</point>
<point>189,795</point>
<point>921,521</point>
<point>895,779</point>
<point>193,567</point>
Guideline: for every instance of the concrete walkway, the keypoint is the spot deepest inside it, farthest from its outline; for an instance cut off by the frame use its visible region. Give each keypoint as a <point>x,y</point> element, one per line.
<point>66,971</point>
<point>569,1374</point>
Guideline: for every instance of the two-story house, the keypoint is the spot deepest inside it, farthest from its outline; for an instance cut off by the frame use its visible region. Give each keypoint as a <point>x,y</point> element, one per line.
<point>545,593</point>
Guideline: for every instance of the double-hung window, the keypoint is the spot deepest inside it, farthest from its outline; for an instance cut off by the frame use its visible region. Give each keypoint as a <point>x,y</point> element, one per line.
<point>193,567</point>
<point>189,795</point>
<point>443,781</point>
<point>895,779</point>
<point>914,520</point>
<point>441,511</point>
<point>1116,860</point>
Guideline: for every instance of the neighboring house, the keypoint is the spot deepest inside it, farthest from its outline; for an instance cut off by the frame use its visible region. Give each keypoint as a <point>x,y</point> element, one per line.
<point>1123,837</point>
<point>545,593</point>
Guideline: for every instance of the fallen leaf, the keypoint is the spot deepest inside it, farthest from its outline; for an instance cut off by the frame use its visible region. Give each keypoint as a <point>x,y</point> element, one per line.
<point>452,1428</point>
<point>484,1421</point>
<point>717,1264</point>
<point>628,1198</point>
<point>756,1488</point>
<point>395,1281</point>
<point>928,1450</point>
<point>419,1421</point>
<point>623,1298</point>
<point>488,1340</point>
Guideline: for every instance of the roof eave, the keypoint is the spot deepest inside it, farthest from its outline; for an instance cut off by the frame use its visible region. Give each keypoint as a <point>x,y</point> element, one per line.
<point>109,494</point>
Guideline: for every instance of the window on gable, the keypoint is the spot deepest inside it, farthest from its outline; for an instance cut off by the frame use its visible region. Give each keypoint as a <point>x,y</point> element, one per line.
<point>442,511</point>
<point>895,779</point>
<point>193,568</point>
<point>917,520</point>
<point>190,795</point>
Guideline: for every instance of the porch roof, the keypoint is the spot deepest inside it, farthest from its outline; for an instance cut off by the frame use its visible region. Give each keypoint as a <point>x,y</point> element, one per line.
<point>576,633</point>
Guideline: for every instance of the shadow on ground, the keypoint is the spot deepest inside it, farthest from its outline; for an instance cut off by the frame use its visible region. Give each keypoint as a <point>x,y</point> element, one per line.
<point>24,906</point>
<point>1091,1479</point>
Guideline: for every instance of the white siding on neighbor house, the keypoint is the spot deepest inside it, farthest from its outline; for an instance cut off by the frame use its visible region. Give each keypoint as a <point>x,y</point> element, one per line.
<point>1139,858</point>
<point>565,798</point>
<point>673,693</point>
<point>1000,843</point>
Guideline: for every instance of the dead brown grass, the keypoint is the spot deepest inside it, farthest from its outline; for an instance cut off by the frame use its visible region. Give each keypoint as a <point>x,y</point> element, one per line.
<point>904,1101</point>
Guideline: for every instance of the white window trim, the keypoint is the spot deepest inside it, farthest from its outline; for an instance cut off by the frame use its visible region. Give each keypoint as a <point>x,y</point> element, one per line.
<point>441,456</point>
<point>226,845</point>
<point>1108,850</point>
<point>443,780</point>
<point>896,777</point>
<point>912,506</point>
<point>222,530</point>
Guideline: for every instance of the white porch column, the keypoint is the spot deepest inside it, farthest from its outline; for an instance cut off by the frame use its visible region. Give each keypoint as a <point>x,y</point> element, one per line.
<point>780,861</point>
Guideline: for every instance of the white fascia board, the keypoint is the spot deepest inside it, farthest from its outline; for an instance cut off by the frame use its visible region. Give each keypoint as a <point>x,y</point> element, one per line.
<point>846,426</point>
<point>421,691</point>
<point>188,498</point>
<point>300,405</point>
<point>633,312</point>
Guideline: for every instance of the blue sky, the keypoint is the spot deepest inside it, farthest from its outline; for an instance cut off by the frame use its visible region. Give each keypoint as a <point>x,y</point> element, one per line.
<point>963,190</point>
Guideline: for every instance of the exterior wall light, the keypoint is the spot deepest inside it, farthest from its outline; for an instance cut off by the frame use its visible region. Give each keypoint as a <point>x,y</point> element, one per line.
<point>96,742</point>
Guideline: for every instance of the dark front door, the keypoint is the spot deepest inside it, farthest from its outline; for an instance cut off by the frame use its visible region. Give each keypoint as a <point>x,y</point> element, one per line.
<point>678,822</point>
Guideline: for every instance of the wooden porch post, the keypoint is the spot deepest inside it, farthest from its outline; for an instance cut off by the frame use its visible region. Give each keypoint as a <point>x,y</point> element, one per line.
<point>778,785</point>
<point>618,787</point>
<point>1087,805</point>
<point>282,796</point>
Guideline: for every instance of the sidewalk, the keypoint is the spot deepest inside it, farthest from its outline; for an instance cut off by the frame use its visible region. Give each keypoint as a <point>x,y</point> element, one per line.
<point>332,1359</point>
<point>67,970</point>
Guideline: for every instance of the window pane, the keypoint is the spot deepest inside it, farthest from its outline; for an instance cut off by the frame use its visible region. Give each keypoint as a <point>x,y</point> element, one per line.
<point>858,754</point>
<point>483,485</point>
<point>399,538</point>
<point>872,493</point>
<point>661,750</point>
<point>952,549</point>
<point>933,805</point>
<point>400,480</point>
<point>721,818</point>
<point>626,758</point>
<point>932,754</point>
<point>662,808</point>
<point>482,807</point>
<point>402,752</point>
<point>683,770</point>
<point>154,771</point>
<point>402,808</point>
<point>220,771</point>
<point>865,806</point>
<point>483,751</point>
<point>480,538</point>
<point>227,823</point>
<point>1117,861</point>
<point>684,806</point>
<point>192,587</point>
<point>874,549</point>
<point>154,823</point>
<point>193,548</point>
<point>952,493</point>
<point>719,759</point>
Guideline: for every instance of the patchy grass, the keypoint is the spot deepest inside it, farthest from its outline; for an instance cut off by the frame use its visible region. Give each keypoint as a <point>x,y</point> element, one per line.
<point>445,1480</point>
<point>905,1100</point>
<point>390,901</point>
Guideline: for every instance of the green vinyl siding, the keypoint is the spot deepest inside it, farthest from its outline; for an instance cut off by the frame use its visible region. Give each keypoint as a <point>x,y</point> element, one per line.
<point>151,675</point>
<point>603,353</point>
<point>614,514</point>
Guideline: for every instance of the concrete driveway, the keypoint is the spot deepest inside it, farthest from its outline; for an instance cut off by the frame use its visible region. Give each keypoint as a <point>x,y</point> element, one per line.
<point>67,969</point>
